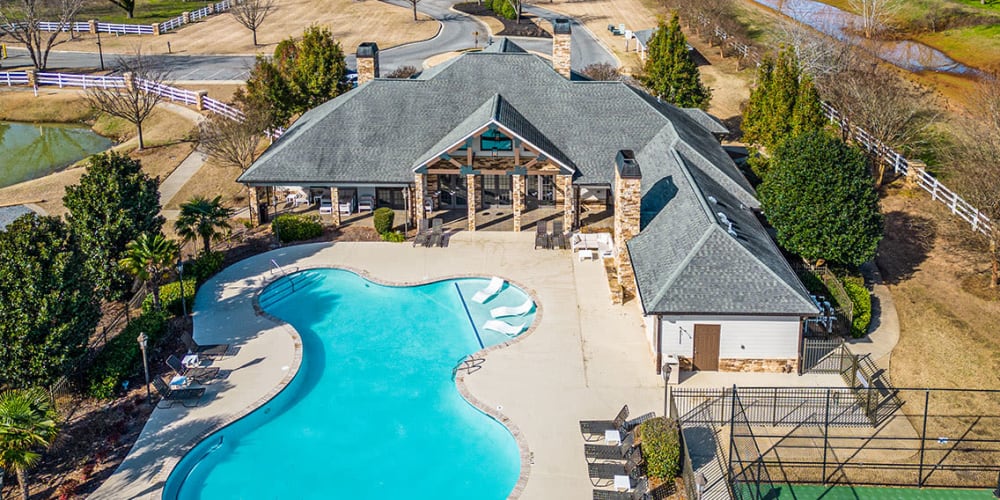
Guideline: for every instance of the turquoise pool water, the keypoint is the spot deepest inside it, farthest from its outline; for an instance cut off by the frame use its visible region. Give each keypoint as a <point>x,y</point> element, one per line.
<point>373,411</point>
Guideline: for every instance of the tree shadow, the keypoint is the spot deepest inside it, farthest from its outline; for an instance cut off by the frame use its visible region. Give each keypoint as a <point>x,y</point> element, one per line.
<point>908,240</point>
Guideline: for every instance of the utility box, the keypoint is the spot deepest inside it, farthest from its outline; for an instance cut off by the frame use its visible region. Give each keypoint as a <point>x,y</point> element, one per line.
<point>672,370</point>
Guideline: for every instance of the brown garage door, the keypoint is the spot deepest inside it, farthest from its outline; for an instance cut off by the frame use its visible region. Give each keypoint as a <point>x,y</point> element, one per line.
<point>706,347</point>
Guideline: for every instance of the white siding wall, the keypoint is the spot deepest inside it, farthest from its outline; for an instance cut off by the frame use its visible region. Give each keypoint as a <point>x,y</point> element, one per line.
<point>742,337</point>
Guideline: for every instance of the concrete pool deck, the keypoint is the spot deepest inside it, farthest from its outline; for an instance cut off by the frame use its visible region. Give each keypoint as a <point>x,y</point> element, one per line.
<point>585,359</point>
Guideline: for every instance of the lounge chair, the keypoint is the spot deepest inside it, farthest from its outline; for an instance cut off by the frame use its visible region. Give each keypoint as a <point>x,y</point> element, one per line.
<point>366,203</point>
<point>325,207</point>
<point>207,350</point>
<point>496,284</point>
<point>182,395</point>
<point>437,232</point>
<point>610,451</point>
<point>639,492</point>
<point>525,308</point>
<point>558,238</point>
<point>541,235</point>
<point>607,471</point>
<point>423,234</point>
<point>599,427</point>
<point>196,374</point>
<point>504,327</point>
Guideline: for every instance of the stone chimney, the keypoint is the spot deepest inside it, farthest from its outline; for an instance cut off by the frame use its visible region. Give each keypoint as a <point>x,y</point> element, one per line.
<point>561,46</point>
<point>367,62</point>
<point>628,201</point>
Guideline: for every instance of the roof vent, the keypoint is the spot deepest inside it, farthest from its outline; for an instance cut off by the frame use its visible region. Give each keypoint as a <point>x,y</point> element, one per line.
<point>732,232</point>
<point>723,218</point>
<point>712,199</point>
<point>628,168</point>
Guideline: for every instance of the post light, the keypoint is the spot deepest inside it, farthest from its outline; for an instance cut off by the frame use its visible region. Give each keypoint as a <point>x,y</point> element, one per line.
<point>100,51</point>
<point>143,339</point>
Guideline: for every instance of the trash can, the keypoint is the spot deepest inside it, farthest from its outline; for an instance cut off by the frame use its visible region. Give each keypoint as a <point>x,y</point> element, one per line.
<point>672,369</point>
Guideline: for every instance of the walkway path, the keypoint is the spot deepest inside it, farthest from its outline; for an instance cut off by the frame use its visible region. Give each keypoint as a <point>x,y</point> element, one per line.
<point>180,176</point>
<point>883,333</point>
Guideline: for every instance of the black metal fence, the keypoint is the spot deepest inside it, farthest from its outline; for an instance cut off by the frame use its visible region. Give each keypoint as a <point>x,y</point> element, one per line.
<point>943,438</point>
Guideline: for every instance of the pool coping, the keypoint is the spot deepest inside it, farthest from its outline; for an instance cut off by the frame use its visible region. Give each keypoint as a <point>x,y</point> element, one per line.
<point>170,464</point>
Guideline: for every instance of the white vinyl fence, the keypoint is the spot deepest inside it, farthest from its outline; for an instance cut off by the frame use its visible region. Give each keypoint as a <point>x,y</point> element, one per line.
<point>133,29</point>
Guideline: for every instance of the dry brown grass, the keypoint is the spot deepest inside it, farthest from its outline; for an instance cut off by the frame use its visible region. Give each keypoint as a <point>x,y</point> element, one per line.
<point>948,335</point>
<point>211,181</point>
<point>351,22</point>
<point>167,133</point>
<point>221,92</point>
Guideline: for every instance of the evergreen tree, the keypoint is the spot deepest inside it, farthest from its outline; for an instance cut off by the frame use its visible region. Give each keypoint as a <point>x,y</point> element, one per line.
<point>114,203</point>
<point>670,73</point>
<point>48,308</point>
<point>783,103</point>
<point>267,93</point>
<point>819,197</point>
<point>318,71</point>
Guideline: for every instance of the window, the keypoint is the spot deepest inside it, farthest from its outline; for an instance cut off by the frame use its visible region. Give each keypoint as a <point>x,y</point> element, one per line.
<point>493,139</point>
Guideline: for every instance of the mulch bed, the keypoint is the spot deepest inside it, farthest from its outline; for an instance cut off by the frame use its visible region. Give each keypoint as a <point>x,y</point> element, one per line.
<point>527,27</point>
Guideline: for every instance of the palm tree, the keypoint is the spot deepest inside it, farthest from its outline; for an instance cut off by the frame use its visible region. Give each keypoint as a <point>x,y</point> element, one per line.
<point>148,258</point>
<point>27,424</point>
<point>201,218</point>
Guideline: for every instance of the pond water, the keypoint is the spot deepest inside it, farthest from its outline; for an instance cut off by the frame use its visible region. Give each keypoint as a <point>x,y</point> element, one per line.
<point>906,54</point>
<point>29,151</point>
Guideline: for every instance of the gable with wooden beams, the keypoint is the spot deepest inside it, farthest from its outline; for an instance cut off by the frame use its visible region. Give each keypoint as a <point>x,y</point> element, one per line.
<point>495,138</point>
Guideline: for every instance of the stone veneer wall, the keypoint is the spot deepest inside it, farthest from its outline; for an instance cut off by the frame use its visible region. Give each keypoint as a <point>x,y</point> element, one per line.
<point>628,200</point>
<point>419,191</point>
<point>562,184</point>
<point>517,197</point>
<point>335,201</point>
<point>367,69</point>
<point>475,197</point>
<point>758,365</point>
<point>434,190</point>
<point>561,54</point>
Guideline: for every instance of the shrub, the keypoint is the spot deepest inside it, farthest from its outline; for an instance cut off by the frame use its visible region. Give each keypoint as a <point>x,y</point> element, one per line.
<point>383,219</point>
<point>862,301</point>
<point>403,72</point>
<point>121,356</point>
<point>394,236</point>
<point>661,447</point>
<point>170,297</point>
<point>206,265</point>
<point>291,227</point>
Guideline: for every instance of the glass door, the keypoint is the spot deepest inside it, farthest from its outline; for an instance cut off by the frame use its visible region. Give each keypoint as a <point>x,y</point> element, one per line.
<point>454,191</point>
<point>496,190</point>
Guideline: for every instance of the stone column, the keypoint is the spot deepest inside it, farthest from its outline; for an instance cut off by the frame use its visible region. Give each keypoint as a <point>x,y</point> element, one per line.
<point>335,202</point>
<point>199,99</point>
<point>419,194</point>
<point>129,81</point>
<point>92,24</point>
<point>628,200</point>
<point>367,60</point>
<point>568,200</point>
<point>517,198</point>
<point>156,29</point>
<point>561,46</point>
<point>32,77</point>
<point>186,17</point>
<point>254,202</point>
<point>474,197</point>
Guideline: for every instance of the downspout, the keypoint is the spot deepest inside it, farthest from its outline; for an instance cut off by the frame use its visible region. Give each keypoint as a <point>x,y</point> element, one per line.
<point>658,335</point>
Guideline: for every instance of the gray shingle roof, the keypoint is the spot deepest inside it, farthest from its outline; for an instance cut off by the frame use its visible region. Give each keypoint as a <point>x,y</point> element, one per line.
<point>8,214</point>
<point>684,257</point>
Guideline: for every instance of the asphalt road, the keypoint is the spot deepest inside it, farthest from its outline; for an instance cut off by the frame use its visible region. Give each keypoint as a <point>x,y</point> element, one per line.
<point>457,33</point>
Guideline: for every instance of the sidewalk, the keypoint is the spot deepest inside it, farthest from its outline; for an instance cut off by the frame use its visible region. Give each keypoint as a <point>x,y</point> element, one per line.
<point>883,332</point>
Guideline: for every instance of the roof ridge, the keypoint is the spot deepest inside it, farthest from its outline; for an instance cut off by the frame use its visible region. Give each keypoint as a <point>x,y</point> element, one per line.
<point>682,266</point>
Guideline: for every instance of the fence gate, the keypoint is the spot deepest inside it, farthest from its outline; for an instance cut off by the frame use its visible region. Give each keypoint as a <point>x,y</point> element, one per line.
<point>822,355</point>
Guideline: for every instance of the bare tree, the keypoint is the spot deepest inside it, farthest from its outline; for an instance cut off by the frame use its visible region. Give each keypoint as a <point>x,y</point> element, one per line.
<point>251,14</point>
<point>874,97</point>
<point>976,159</point>
<point>403,72</point>
<point>875,16</point>
<point>22,20</point>
<point>414,4</point>
<point>234,143</point>
<point>602,72</point>
<point>135,100</point>
<point>818,55</point>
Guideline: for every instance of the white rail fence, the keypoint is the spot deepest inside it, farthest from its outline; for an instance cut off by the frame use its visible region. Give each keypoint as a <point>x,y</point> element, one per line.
<point>132,29</point>
<point>221,108</point>
<point>68,80</point>
<point>900,165</point>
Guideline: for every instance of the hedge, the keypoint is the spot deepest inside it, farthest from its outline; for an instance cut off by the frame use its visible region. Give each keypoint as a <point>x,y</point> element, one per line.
<point>661,447</point>
<point>170,297</point>
<point>394,236</point>
<point>382,219</point>
<point>121,356</point>
<point>862,301</point>
<point>206,265</point>
<point>290,227</point>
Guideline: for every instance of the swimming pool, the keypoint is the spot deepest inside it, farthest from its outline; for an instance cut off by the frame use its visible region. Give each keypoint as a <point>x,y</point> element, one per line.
<point>374,410</point>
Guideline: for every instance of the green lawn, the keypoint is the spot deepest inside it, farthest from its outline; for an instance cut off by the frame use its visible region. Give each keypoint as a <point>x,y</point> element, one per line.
<point>977,46</point>
<point>146,11</point>
<point>812,492</point>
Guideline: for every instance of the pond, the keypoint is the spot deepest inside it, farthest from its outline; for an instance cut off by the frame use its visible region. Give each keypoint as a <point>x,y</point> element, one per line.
<point>906,54</point>
<point>29,151</point>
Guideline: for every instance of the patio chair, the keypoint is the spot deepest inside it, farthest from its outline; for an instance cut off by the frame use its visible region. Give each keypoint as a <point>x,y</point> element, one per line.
<point>521,310</point>
<point>207,350</point>
<point>639,492</point>
<point>607,471</point>
<point>599,427</point>
<point>325,207</point>
<point>423,234</point>
<point>504,327</point>
<point>366,203</point>
<point>182,395</point>
<point>558,237</point>
<point>437,232</point>
<point>610,451</point>
<point>542,235</point>
<point>196,374</point>
<point>496,284</point>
